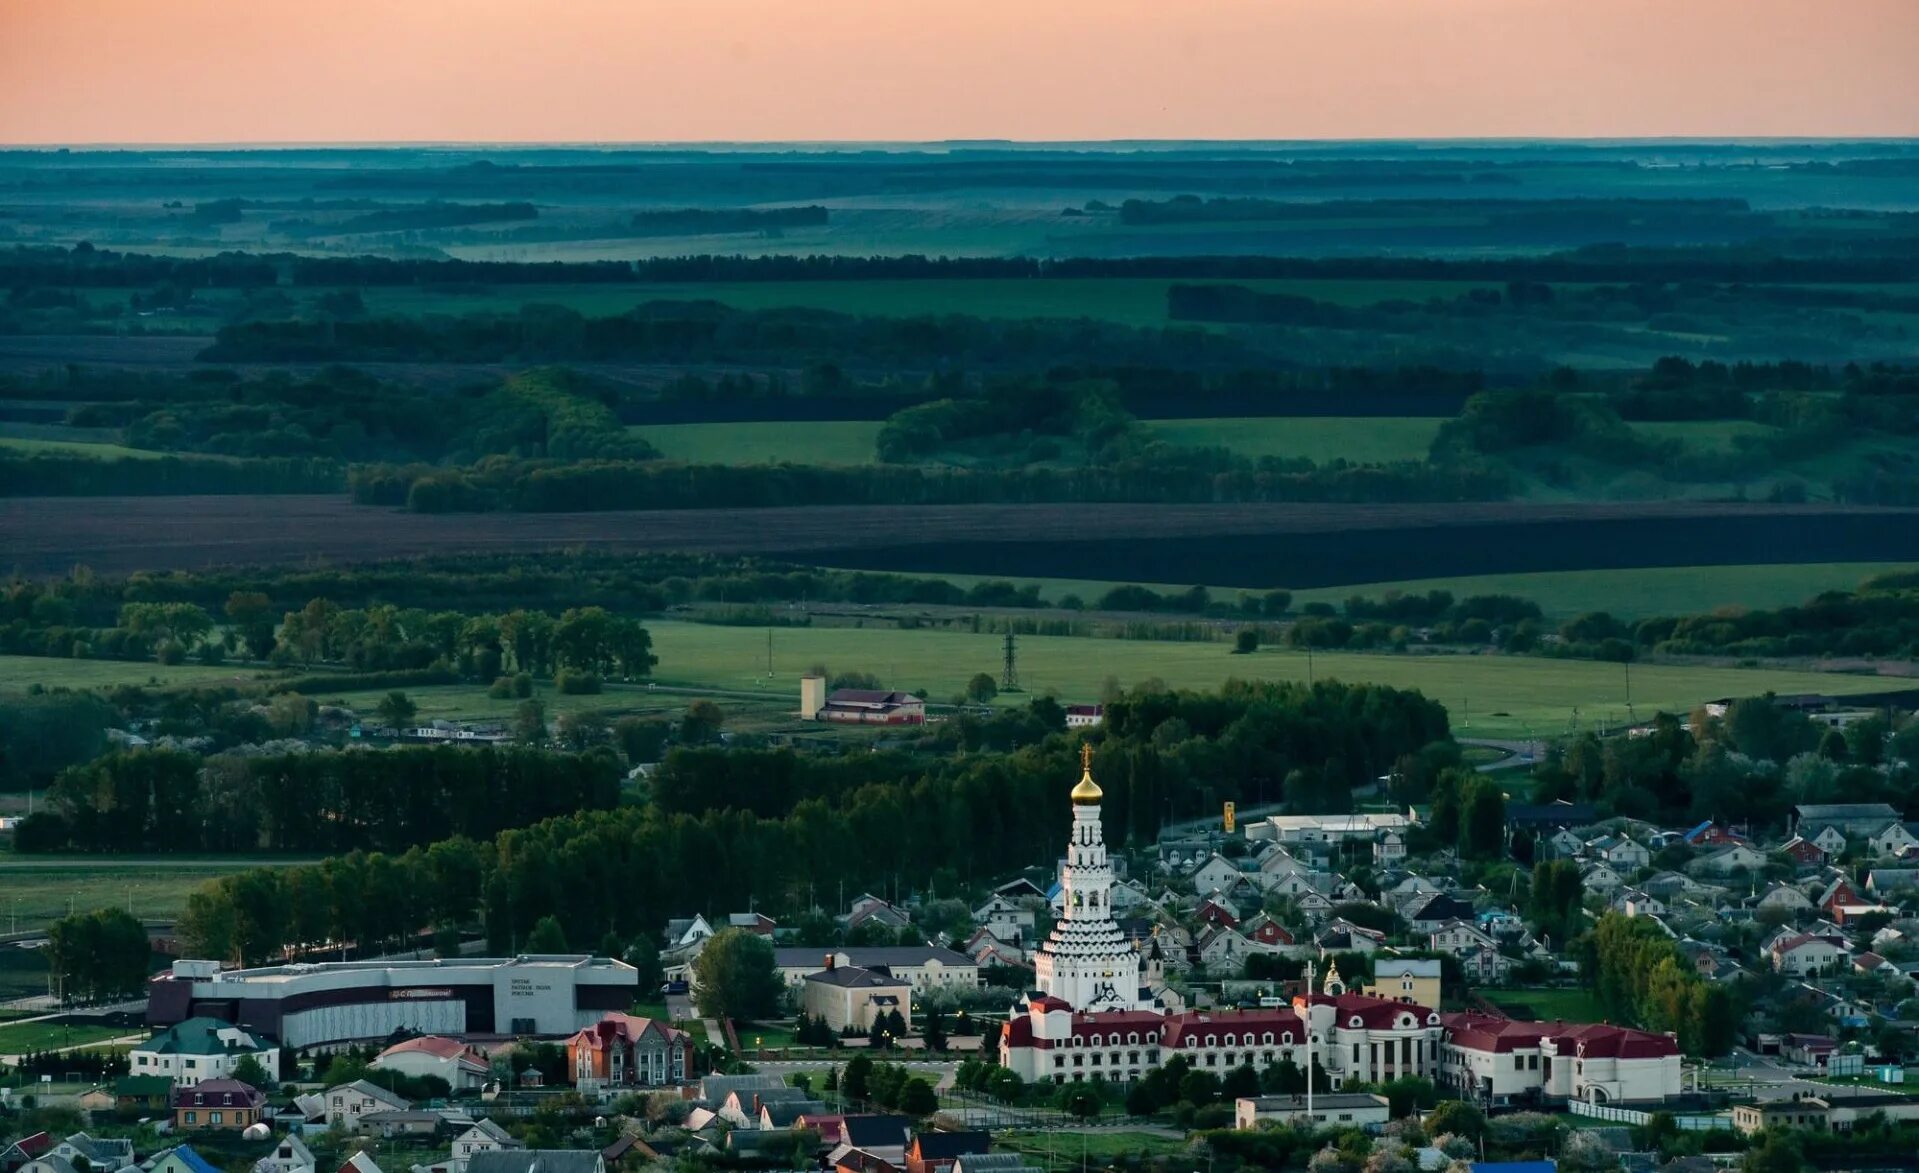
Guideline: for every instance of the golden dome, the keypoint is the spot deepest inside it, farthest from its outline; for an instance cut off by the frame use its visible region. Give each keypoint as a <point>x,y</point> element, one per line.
<point>1087,791</point>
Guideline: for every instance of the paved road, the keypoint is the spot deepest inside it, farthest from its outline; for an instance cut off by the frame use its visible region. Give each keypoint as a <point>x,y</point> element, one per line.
<point>1518,753</point>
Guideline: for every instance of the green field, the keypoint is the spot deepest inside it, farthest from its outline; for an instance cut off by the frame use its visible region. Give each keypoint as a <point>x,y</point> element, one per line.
<point>1574,1005</point>
<point>78,448</point>
<point>811,442</point>
<point>1488,696</point>
<point>1133,301</point>
<point>1705,435</point>
<point>1319,439</point>
<point>851,442</point>
<point>19,1038</point>
<point>1632,594</point>
<point>40,889</point>
<point>21,671</point>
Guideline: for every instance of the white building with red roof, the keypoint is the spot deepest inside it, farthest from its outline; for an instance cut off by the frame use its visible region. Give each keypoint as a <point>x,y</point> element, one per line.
<point>463,1067</point>
<point>1497,1060</point>
<point>1354,1037</point>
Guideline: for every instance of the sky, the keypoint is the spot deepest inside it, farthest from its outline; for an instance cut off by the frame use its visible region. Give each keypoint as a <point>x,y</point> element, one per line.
<point>228,71</point>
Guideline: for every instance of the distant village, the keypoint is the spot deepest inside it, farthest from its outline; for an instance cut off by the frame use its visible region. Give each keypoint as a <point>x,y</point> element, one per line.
<point>1309,968</point>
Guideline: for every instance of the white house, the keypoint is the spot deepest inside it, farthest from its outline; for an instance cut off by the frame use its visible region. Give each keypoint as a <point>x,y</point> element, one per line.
<point>1005,919</point>
<point>483,1137</point>
<point>1599,877</point>
<point>1733,857</point>
<point>1829,840</point>
<point>202,1048</point>
<point>350,1101</point>
<point>1217,873</point>
<point>1351,1109</point>
<point>1800,954</point>
<point>1895,838</point>
<point>1620,853</point>
<point>462,1067</point>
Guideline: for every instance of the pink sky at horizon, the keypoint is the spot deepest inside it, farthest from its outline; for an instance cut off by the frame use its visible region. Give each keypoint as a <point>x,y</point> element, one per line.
<point>235,71</point>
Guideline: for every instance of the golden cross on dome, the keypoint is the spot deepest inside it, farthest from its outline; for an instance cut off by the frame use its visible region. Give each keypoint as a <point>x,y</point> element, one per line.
<point>1086,755</point>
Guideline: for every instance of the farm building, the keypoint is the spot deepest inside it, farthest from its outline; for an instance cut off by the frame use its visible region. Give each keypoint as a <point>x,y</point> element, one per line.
<point>859,706</point>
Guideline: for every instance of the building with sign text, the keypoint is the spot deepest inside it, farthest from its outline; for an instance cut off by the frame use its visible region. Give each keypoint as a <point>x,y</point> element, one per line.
<point>305,1005</point>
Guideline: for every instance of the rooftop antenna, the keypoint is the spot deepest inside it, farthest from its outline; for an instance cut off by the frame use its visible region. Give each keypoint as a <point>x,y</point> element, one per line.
<point>1009,674</point>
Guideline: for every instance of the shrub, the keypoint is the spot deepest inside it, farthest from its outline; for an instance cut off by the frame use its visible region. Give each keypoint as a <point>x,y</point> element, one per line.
<point>575,683</point>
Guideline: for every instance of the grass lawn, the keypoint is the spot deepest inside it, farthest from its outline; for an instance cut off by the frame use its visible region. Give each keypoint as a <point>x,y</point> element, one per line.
<point>1066,1150</point>
<point>1489,696</point>
<point>41,888</point>
<point>1573,1005</point>
<point>53,672</point>
<point>78,448</point>
<point>20,1037</point>
<point>1133,301</point>
<point>1705,435</point>
<point>1320,439</point>
<point>1631,594</point>
<point>851,441</point>
<point>811,442</point>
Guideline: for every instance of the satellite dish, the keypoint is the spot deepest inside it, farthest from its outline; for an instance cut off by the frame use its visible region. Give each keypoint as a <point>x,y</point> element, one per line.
<point>257,1131</point>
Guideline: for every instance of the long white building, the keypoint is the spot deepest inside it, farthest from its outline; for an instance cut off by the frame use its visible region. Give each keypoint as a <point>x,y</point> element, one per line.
<point>306,1004</point>
<point>1496,1061</point>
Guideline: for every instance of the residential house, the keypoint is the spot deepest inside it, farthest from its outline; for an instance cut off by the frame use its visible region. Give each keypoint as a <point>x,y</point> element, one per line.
<point>51,1163</point>
<point>934,1152</point>
<point>987,950</point>
<point>1806,1114</point>
<point>1084,716</point>
<point>1784,897</point>
<point>350,1101</point>
<point>1477,951</point>
<point>1729,859</point>
<point>885,1137</point>
<point>1435,913</point>
<point>1618,852</point>
<point>1804,852</point>
<point>1020,889</point>
<point>622,1050</point>
<point>537,1161</point>
<point>1007,920</point>
<point>1852,818</point>
<point>757,923</point>
<point>868,907</point>
<point>141,1092</point>
<point>101,1154</point>
<point>1217,874</point>
<point>786,1114</point>
<point>180,1159</point>
<point>1560,843</point>
<point>1599,877</point>
<point>1406,979</point>
<point>225,1104</point>
<point>742,1108</point>
<point>1830,840</point>
<point>1336,1109</point>
<point>464,1068</point>
<point>851,996</point>
<point>1800,954</point>
<point>1263,931</point>
<point>1896,839</point>
<point>290,1155</point>
<point>1635,902</point>
<point>415,1123</point>
<point>1223,946</point>
<point>1883,881</point>
<point>482,1136</point>
<point>1218,911</point>
<point>924,967</point>
<point>201,1048</point>
<point>1343,936</point>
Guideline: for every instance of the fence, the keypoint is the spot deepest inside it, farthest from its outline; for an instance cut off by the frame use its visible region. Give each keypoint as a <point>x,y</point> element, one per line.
<point>1687,1123</point>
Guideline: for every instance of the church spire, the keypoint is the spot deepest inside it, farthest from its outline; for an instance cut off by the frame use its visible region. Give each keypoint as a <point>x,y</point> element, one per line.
<point>1088,791</point>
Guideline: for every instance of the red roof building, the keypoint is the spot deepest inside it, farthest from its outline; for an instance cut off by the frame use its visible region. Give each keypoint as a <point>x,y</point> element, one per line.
<point>621,1050</point>
<point>1495,1059</point>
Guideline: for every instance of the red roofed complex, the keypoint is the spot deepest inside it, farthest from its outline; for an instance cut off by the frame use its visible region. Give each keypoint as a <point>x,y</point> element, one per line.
<point>623,1051</point>
<point>1499,1060</point>
<point>463,1067</point>
<point>1355,1037</point>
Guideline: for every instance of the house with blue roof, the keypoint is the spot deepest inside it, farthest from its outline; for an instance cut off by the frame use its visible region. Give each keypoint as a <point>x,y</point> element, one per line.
<point>181,1159</point>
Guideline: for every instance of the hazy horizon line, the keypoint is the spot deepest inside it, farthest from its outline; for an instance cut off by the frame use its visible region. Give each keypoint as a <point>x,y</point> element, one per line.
<point>831,143</point>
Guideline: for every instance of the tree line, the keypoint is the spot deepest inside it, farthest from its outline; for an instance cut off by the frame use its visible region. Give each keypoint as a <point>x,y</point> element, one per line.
<point>62,474</point>
<point>1639,976</point>
<point>1174,475</point>
<point>29,266</point>
<point>776,831</point>
<point>166,801</point>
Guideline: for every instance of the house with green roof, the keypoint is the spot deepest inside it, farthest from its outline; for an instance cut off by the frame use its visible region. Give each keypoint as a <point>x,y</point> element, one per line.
<point>201,1048</point>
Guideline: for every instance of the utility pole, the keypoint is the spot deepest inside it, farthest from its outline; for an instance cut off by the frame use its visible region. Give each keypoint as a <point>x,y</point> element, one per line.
<point>1009,673</point>
<point>1307,1020</point>
<point>769,653</point>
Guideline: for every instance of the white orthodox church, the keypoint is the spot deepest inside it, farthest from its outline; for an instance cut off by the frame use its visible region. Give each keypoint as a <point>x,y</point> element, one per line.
<point>1088,962</point>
